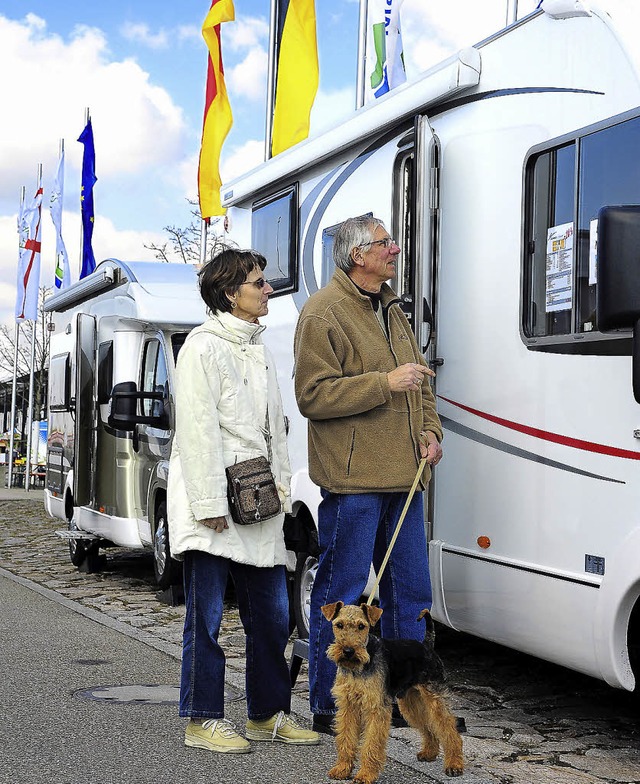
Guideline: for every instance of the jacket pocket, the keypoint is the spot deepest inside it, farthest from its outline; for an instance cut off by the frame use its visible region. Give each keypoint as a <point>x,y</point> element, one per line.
<point>352,446</point>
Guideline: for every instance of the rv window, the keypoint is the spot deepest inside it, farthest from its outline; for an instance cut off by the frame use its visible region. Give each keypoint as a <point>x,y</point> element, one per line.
<point>154,377</point>
<point>60,383</point>
<point>105,371</point>
<point>551,277</point>
<point>274,233</point>
<point>566,185</point>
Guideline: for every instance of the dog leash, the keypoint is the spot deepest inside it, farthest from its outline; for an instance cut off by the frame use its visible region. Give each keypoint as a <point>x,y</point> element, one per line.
<point>423,462</point>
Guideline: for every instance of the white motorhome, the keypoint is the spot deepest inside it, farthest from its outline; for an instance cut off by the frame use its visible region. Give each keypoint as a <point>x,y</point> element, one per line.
<point>492,171</point>
<point>116,334</point>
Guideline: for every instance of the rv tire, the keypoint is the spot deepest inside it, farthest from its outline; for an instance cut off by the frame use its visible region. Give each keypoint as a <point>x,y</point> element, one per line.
<point>165,568</point>
<point>306,567</point>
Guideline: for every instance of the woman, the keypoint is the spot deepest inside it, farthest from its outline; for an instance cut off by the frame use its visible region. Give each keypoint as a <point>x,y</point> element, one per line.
<point>228,408</point>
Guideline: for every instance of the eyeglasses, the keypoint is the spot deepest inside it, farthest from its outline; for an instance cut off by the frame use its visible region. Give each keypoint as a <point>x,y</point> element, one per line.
<point>259,284</point>
<point>387,242</point>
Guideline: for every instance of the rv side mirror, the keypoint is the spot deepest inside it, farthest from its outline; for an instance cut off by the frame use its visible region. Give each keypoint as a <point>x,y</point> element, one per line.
<point>122,412</point>
<point>618,290</point>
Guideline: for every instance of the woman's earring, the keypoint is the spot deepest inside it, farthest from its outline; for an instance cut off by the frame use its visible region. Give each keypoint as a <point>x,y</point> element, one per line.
<point>234,304</point>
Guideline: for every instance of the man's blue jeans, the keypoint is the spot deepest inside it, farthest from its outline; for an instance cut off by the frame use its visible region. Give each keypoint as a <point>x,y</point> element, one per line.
<point>353,532</point>
<point>264,611</point>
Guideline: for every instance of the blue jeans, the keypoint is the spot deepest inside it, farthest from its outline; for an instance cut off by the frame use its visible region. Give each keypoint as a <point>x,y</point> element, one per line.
<point>264,611</point>
<point>354,531</point>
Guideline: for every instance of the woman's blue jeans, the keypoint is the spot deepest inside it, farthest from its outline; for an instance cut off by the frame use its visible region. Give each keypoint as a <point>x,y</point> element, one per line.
<point>264,611</point>
<point>354,531</point>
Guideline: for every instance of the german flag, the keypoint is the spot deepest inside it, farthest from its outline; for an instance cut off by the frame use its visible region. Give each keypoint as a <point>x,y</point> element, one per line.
<point>297,72</point>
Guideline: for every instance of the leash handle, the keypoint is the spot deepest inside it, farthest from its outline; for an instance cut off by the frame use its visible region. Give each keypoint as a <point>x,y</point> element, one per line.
<point>423,462</point>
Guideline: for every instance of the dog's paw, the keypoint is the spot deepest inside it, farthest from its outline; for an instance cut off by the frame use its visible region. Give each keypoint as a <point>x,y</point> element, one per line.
<point>340,772</point>
<point>454,771</point>
<point>428,756</point>
<point>362,777</point>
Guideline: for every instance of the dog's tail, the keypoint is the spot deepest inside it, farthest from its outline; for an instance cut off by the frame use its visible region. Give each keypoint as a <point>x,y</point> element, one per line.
<point>430,630</point>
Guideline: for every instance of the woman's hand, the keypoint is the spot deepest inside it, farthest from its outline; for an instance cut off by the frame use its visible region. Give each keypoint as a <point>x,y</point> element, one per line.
<point>217,524</point>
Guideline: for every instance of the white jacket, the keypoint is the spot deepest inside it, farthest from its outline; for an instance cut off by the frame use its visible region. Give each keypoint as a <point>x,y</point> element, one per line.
<point>224,378</point>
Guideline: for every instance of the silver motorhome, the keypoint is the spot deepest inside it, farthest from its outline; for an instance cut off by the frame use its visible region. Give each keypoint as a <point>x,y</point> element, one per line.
<point>116,334</point>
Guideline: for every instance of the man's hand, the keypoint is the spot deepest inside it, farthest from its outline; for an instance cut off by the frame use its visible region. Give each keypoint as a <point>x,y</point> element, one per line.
<point>408,377</point>
<point>217,524</point>
<point>430,448</point>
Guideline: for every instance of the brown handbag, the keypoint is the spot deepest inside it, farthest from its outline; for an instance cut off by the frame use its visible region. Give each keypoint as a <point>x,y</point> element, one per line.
<point>252,492</point>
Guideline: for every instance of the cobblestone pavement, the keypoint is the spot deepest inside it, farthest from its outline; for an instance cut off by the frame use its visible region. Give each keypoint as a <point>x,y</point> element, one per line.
<point>528,721</point>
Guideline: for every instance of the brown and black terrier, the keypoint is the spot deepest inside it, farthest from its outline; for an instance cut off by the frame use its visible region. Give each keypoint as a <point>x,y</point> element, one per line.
<point>372,673</point>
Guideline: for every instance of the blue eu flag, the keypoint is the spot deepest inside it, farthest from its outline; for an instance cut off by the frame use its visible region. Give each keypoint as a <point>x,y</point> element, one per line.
<point>86,199</point>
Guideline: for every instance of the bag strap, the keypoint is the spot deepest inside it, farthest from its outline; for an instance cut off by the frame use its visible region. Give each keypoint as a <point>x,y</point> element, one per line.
<point>266,432</point>
<point>397,531</point>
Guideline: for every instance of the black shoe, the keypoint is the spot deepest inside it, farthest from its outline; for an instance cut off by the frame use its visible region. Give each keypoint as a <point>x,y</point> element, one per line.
<point>323,722</point>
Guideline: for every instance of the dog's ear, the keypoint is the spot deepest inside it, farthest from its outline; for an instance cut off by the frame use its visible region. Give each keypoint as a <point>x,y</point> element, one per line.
<point>372,612</point>
<point>331,610</point>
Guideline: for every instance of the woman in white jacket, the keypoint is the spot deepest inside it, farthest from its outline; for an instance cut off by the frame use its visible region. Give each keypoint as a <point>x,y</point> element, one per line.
<point>226,388</point>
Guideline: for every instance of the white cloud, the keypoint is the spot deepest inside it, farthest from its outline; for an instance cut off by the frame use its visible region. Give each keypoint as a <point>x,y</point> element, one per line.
<point>242,159</point>
<point>136,124</point>
<point>249,78</point>
<point>140,33</point>
<point>330,107</point>
<point>246,32</point>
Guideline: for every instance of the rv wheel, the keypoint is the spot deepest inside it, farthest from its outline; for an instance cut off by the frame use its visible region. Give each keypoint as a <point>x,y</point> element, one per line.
<point>306,568</point>
<point>164,566</point>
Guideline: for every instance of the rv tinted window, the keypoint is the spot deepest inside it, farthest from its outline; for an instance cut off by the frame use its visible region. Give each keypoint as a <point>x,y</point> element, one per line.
<point>550,269</point>
<point>105,371</point>
<point>274,233</point>
<point>60,383</point>
<point>609,175</point>
<point>154,376</point>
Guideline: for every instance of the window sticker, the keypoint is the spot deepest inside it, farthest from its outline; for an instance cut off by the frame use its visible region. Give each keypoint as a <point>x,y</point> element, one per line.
<point>559,276</point>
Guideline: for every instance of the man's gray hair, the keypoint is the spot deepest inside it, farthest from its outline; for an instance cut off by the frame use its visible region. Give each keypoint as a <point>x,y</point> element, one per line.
<point>351,234</point>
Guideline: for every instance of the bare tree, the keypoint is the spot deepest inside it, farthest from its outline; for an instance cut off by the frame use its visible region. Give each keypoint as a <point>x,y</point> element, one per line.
<point>41,359</point>
<point>183,244</point>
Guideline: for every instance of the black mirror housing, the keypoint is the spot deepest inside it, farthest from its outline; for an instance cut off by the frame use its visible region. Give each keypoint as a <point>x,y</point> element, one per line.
<point>123,413</point>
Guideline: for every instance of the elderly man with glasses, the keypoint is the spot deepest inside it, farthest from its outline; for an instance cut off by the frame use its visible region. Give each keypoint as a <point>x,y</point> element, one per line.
<point>363,386</point>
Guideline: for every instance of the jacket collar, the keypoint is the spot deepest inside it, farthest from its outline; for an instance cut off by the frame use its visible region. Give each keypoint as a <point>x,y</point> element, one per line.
<point>233,329</point>
<point>348,287</point>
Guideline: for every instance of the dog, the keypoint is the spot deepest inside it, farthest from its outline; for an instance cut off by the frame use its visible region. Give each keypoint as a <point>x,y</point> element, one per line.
<point>372,673</point>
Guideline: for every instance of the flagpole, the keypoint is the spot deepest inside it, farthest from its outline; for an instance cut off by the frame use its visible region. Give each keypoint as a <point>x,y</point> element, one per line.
<point>362,53</point>
<point>27,468</point>
<point>271,80</point>
<point>14,384</point>
<point>512,11</point>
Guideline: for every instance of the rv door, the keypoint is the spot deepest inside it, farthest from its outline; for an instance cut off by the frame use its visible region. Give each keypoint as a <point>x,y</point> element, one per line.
<point>85,411</point>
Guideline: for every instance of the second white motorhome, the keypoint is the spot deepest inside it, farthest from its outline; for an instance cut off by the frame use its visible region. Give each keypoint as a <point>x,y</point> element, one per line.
<point>509,175</point>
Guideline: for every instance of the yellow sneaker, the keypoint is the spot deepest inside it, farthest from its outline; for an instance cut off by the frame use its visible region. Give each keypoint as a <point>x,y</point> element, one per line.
<point>215,735</point>
<point>281,727</point>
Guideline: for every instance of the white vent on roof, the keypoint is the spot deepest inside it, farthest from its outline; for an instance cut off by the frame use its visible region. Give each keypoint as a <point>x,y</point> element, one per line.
<point>565,9</point>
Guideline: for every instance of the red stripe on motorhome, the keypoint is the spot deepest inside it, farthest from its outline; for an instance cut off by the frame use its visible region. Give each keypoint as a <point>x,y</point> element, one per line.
<point>574,443</point>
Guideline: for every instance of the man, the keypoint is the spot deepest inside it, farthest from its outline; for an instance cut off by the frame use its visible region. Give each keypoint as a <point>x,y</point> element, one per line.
<point>360,381</point>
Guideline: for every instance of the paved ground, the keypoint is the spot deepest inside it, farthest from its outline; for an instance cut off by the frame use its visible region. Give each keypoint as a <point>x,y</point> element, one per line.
<point>527,721</point>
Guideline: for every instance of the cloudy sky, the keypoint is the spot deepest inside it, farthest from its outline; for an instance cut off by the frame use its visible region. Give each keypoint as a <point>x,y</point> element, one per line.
<point>140,67</point>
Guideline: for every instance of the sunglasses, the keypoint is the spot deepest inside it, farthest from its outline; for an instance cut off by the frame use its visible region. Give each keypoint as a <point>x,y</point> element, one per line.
<point>259,284</point>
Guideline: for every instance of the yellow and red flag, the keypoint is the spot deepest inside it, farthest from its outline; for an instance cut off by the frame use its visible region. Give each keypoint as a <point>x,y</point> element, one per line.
<point>297,74</point>
<point>217,112</point>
